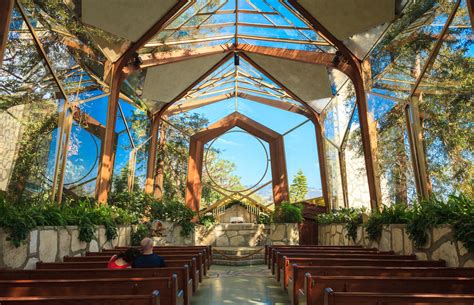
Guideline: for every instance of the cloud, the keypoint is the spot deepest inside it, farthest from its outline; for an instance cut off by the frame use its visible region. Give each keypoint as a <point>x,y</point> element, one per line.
<point>227,142</point>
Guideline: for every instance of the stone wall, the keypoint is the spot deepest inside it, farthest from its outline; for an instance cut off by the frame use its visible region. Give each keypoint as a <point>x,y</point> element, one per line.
<point>227,234</point>
<point>51,244</point>
<point>440,245</point>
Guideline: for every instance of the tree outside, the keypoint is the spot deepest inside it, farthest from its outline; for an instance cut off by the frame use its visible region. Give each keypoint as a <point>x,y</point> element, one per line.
<point>299,187</point>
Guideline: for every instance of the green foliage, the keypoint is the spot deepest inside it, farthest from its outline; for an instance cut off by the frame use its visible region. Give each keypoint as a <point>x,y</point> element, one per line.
<point>264,219</point>
<point>19,218</point>
<point>299,187</point>
<point>457,211</point>
<point>207,220</point>
<point>139,232</point>
<point>352,218</point>
<point>176,212</point>
<point>396,214</point>
<point>288,213</point>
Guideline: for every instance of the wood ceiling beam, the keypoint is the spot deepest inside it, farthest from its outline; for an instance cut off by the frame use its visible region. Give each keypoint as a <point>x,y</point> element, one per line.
<point>6,8</point>
<point>193,104</point>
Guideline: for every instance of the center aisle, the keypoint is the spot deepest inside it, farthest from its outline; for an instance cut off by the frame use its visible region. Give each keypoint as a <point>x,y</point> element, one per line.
<point>239,285</point>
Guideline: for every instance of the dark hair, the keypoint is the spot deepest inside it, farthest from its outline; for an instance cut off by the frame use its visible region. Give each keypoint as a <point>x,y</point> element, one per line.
<point>129,255</point>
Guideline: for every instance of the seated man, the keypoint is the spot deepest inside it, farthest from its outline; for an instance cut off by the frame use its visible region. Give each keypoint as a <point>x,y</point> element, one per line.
<point>148,259</point>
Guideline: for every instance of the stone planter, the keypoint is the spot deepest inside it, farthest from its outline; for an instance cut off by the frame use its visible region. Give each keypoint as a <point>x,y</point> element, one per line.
<point>440,245</point>
<point>51,244</point>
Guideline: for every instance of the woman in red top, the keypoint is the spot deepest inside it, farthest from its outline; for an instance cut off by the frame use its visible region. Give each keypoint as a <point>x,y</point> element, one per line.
<point>124,259</point>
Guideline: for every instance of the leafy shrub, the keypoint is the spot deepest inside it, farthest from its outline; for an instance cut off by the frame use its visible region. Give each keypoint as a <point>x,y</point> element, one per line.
<point>264,219</point>
<point>352,218</point>
<point>288,213</point>
<point>139,232</point>
<point>457,211</point>
<point>20,218</point>
<point>396,214</point>
<point>177,212</point>
<point>207,220</point>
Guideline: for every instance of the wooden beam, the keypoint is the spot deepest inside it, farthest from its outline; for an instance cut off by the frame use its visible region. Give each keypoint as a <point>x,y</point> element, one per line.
<point>196,103</point>
<point>319,130</point>
<point>161,58</point>
<point>275,103</point>
<point>152,150</point>
<point>470,8</point>
<point>6,8</point>
<point>196,156</point>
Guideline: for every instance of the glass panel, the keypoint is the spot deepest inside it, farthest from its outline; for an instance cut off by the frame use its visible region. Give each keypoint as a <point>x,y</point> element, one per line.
<point>357,186</point>
<point>338,112</point>
<point>333,172</point>
<point>28,115</point>
<point>393,151</point>
<point>302,155</point>
<point>446,111</point>
<point>399,57</point>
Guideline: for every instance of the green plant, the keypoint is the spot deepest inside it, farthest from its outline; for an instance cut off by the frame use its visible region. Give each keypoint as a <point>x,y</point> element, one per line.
<point>207,220</point>
<point>395,214</point>
<point>288,213</point>
<point>177,212</point>
<point>139,232</point>
<point>264,219</point>
<point>352,218</point>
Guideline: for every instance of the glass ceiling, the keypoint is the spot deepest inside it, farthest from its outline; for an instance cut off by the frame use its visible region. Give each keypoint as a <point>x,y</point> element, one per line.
<point>261,23</point>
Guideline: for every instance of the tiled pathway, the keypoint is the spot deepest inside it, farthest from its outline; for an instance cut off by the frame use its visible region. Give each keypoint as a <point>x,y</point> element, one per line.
<point>228,285</point>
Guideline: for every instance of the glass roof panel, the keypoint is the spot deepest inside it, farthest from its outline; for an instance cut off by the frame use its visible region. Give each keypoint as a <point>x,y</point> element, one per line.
<point>401,54</point>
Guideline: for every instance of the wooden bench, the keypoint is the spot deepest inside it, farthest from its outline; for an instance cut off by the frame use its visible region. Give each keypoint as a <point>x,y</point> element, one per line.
<point>315,286</point>
<point>276,252</point>
<point>166,286</point>
<point>355,262</point>
<point>152,299</point>
<point>367,298</point>
<point>193,274</point>
<point>185,283</point>
<point>191,260</point>
<point>206,249</point>
<point>269,250</point>
<point>280,258</point>
<point>200,255</point>
<point>297,276</point>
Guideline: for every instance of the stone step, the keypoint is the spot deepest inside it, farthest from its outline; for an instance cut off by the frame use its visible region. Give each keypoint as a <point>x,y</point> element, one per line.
<point>247,262</point>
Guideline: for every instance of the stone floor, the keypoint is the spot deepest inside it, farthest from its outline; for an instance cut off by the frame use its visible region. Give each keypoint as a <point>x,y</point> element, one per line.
<point>227,285</point>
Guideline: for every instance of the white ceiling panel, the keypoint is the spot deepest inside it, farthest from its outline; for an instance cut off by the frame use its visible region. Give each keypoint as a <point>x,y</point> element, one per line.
<point>125,18</point>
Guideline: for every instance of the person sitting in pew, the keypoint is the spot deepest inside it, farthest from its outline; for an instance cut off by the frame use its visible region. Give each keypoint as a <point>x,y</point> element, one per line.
<point>148,259</point>
<point>124,259</point>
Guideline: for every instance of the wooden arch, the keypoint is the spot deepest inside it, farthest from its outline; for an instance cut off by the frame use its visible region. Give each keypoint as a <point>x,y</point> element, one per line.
<point>196,156</point>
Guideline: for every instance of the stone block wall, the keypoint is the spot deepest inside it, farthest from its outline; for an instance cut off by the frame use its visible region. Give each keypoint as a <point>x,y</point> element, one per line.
<point>51,244</point>
<point>227,234</point>
<point>440,245</point>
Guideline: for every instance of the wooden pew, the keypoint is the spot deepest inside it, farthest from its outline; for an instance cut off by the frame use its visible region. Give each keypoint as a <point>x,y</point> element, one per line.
<point>194,273</point>
<point>269,249</point>
<point>152,299</point>
<point>199,253</point>
<point>298,272</point>
<point>206,249</point>
<point>280,261</point>
<point>315,286</point>
<point>166,286</point>
<point>185,283</point>
<point>275,252</point>
<point>184,257</point>
<point>368,298</point>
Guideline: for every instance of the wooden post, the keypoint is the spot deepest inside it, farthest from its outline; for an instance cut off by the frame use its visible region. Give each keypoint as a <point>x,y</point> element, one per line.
<point>150,170</point>
<point>160,167</point>
<point>322,164</point>
<point>342,168</point>
<point>6,8</point>
<point>106,161</point>
<point>418,156</point>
